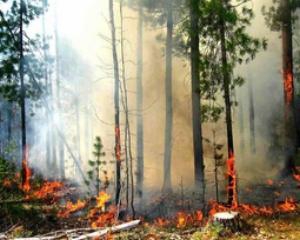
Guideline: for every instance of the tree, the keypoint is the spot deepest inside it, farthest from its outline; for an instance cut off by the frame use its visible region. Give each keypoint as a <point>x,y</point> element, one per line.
<point>139,104</point>
<point>19,66</point>
<point>279,17</point>
<point>167,185</point>
<point>116,102</point>
<point>196,93</point>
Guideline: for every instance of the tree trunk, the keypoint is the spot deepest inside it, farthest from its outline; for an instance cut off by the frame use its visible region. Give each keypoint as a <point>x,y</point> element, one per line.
<point>61,149</point>
<point>139,102</point>
<point>23,95</point>
<point>196,96</point>
<point>167,185</point>
<point>128,143</point>
<point>116,102</point>
<point>49,158</point>
<point>78,134</point>
<point>252,118</point>
<point>288,80</point>
<point>232,187</point>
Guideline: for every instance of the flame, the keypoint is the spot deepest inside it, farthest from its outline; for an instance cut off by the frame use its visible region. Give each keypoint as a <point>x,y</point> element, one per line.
<point>198,216</point>
<point>102,199</point>
<point>161,222</point>
<point>232,181</point>
<point>181,219</point>
<point>288,87</point>
<point>7,183</point>
<point>270,182</point>
<point>296,177</point>
<point>47,189</point>
<point>26,172</point>
<point>98,216</point>
<point>71,208</point>
<point>289,205</point>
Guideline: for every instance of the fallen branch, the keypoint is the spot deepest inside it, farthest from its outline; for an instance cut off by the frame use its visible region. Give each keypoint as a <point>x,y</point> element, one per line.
<point>121,227</point>
<point>99,233</point>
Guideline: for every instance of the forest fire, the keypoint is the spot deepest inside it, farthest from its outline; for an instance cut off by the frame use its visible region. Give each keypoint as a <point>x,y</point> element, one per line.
<point>48,189</point>
<point>289,205</point>
<point>288,87</point>
<point>232,185</point>
<point>71,208</point>
<point>26,172</point>
<point>99,216</point>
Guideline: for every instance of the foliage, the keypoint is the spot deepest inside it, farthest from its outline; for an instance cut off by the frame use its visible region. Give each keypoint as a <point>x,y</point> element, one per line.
<point>96,167</point>
<point>10,50</point>
<point>275,14</point>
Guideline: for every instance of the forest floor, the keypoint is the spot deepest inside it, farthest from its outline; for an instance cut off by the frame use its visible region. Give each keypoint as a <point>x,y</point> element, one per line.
<point>286,226</point>
<point>281,226</point>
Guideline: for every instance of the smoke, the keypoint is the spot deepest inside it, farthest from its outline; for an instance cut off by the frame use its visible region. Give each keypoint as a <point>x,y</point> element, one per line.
<point>85,55</point>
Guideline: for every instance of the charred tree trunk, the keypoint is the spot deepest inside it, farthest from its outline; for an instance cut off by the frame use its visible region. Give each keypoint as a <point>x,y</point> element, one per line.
<point>167,185</point>
<point>23,95</point>
<point>288,80</point>
<point>252,118</point>
<point>116,102</point>
<point>139,103</point>
<point>61,149</point>
<point>78,133</point>
<point>196,96</point>
<point>232,188</point>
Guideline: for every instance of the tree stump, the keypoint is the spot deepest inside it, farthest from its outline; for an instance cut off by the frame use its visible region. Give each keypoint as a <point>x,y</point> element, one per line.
<point>230,220</point>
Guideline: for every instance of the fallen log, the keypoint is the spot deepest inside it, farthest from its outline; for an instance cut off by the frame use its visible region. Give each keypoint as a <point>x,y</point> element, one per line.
<point>99,233</point>
<point>114,229</point>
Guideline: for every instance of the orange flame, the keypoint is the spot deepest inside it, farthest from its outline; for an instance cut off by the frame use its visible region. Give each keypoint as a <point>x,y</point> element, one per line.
<point>98,216</point>
<point>7,183</point>
<point>181,219</point>
<point>289,205</point>
<point>288,87</point>
<point>48,188</point>
<point>71,208</point>
<point>232,181</point>
<point>26,172</point>
<point>270,182</point>
<point>296,177</point>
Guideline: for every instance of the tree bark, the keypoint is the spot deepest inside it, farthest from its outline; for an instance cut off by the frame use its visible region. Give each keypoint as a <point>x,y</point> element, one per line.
<point>167,185</point>
<point>288,81</point>
<point>23,95</point>
<point>61,149</point>
<point>139,103</point>
<point>232,188</point>
<point>116,102</point>
<point>196,96</point>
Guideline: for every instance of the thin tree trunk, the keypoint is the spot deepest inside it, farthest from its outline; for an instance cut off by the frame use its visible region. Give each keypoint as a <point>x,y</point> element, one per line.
<point>288,80</point>
<point>167,185</point>
<point>23,94</point>
<point>116,102</point>
<point>196,96</point>
<point>128,144</point>
<point>47,113</point>
<point>139,102</point>
<point>252,118</point>
<point>232,187</point>
<point>61,149</point>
